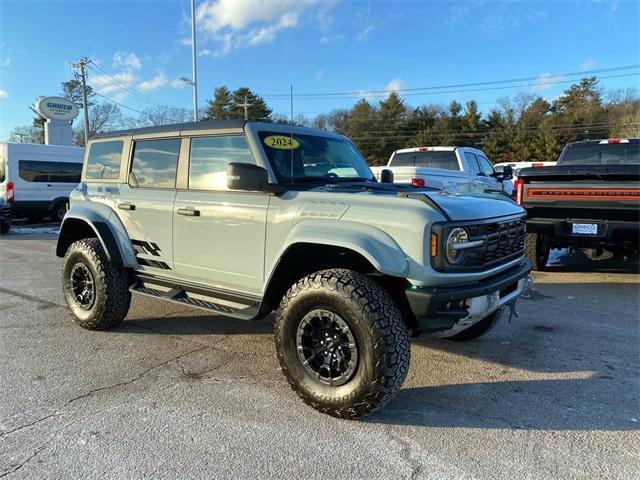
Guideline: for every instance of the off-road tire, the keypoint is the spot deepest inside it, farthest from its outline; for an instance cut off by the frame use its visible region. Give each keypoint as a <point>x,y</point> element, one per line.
<point>112,295</point>
<point>378,329</point>
<point>477,329</point>
<point>537,251</point>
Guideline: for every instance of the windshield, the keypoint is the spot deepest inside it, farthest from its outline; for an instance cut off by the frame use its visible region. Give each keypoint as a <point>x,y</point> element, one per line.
<point>434,159</point>
<point>601,154</point>
<point>313,157</point>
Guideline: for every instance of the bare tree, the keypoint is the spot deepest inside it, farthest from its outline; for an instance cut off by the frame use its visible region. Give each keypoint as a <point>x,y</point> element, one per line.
<point>27,134</point>
<point>102,118</point>
<point>163,115</point>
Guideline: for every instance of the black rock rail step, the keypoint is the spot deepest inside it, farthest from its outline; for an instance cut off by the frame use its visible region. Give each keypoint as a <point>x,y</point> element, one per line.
<point>178,294</point>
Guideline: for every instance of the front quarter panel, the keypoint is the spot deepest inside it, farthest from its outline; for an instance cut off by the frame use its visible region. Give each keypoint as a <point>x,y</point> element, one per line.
<point>100,217</point>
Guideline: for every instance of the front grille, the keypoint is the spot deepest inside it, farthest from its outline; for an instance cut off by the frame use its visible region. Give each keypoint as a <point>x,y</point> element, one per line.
<point>502,242</point>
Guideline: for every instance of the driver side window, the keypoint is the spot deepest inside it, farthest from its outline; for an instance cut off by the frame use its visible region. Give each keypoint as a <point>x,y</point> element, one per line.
<point>209,158</point>
<point>485,165</point>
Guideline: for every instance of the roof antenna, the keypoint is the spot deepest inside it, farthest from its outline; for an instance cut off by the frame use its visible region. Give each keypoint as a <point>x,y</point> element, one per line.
<point>291,131</point>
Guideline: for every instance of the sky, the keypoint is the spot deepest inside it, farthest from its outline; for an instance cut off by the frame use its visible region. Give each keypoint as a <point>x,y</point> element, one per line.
<point>141,48</point>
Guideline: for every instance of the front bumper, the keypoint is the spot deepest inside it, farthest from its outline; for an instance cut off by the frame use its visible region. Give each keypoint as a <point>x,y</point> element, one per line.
<point>445,307</point>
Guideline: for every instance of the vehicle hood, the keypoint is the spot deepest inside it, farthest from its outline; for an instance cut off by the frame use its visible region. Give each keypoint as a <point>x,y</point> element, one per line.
<point>474,206</point>
<point>454,205</point>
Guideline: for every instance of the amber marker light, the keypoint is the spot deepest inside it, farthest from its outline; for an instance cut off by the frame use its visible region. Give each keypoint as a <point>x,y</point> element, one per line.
<point>434,244</point>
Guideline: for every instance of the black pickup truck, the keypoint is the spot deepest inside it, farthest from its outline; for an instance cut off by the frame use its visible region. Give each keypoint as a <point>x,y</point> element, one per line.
<point>589,200</point>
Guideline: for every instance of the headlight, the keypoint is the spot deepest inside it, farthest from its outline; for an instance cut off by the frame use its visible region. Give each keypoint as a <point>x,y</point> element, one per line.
<point>456,239</point>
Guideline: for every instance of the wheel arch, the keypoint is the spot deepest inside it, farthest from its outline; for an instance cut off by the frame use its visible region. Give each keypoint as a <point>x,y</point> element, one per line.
<point>313,249</point>
<point>98,222</point>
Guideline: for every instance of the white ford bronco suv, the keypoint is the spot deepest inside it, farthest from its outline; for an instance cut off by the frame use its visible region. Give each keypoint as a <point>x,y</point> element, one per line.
<point>243,218</point>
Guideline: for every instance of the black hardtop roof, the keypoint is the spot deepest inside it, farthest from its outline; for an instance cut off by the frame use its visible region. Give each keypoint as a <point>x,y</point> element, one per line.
<point>231,124</point>
<point>183,127</point>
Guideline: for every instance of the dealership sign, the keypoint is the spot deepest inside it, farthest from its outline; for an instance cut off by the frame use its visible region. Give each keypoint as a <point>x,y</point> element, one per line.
<point>56,108</point>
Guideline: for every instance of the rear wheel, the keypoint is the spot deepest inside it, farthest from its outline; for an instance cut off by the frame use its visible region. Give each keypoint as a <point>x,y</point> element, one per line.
<point>59,211</point>
<point>96,291</point>
<point>341,343</point>
<point>537,251</point>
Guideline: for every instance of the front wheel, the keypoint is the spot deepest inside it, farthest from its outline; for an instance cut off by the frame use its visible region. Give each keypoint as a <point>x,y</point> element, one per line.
<point>96,291</point>
<point>341,343</point>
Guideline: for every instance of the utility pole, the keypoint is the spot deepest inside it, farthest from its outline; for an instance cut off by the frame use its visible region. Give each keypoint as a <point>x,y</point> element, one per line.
<point>246,106</point>
<point>194,78</point>
<point>81,64</point>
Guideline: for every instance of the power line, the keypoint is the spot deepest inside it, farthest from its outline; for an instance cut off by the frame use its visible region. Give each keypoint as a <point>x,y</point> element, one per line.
<point>118,103</point>
<point>461,85</point>
<point>533,84</point>
<point>140,96</point>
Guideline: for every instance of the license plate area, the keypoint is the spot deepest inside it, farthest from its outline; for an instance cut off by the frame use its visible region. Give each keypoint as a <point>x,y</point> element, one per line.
<point>584,228</point>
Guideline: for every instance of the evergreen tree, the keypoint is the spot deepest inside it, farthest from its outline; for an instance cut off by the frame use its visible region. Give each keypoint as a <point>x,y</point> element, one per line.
<point>257,109</point>
<point>392,125</point>
<point>220,106</point>
<point>471,125</point>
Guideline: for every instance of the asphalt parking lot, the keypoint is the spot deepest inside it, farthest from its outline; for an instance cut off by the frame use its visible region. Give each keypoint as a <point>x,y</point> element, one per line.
<point>177,393</point>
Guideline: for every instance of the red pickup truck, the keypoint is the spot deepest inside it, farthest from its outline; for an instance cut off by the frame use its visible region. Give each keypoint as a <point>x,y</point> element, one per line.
<point>589,200</point>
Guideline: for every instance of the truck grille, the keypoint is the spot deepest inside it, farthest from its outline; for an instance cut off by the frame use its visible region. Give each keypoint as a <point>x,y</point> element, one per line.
<point>502,242</point>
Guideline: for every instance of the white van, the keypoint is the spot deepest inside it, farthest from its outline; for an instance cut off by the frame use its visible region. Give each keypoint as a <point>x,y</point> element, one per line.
<point>36,179</point>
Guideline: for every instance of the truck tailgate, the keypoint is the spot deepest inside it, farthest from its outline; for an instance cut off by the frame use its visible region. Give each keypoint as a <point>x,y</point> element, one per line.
<point>603,192</point>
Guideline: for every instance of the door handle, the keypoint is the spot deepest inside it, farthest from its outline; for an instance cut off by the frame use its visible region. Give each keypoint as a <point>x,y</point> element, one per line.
<point>126,206</point>
<point>189,212</point>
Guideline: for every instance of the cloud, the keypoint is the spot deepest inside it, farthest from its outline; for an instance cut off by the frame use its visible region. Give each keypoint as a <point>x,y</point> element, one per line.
<point>362,35</point>
<point>395,85</point>
<point>588,65</point>
<point>127,60</point>
<point>239,24</point>
<point>337,37</point>
<point>159,81</point>
<point>116,85</point>
<point>546,81</point>
<point>320,74</point>
<point>3,93</point>
<point>614,6</point>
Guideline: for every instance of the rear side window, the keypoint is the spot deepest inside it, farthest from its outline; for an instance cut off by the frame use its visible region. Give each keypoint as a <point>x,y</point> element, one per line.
<point>2,174</point>
<point>49,172</point>
<point>210,157</point>
<point>155,163</point>
<point>472,164</point>
<point>446,160</point>
<point>104,160</point>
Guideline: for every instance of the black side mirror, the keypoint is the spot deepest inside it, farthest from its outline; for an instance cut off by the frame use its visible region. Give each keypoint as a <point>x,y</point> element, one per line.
<point>246,176</point>
<point>507,173</point>
<point>386,176</point>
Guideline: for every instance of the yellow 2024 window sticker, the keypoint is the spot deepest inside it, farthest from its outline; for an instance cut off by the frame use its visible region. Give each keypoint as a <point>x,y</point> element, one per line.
<point>281,142</point>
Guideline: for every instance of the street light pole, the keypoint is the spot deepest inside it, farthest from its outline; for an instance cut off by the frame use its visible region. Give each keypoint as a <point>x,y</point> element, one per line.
<point>194,77</point>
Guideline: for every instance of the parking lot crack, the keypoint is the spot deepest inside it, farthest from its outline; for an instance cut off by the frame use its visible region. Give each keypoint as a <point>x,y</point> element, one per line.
<point>30,424</point>
<point>406,453</point>
<point>31,457</point>
<point>31,298</point>
<point>135,379</point>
